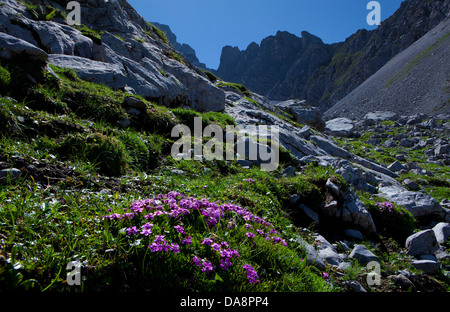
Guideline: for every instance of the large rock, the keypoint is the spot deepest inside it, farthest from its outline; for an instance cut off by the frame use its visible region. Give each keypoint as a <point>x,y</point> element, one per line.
<point>248,148</point>
<point>363,255</point>
<point>303,114</point>
<point>312,255</point>
<point>381,116</point>
<point>12,47</point>
<point>418,203</point>
<point>63,39</point>
<point>341,127</point>
<point>12,174</point>
<point>442,232</point>
<point>427,266</point>
<point>396,166</point>
<point>330,256</point>
<point>327,252</point>
<point>422,243</point>
<point>355,212</point>
<point>330,147</point>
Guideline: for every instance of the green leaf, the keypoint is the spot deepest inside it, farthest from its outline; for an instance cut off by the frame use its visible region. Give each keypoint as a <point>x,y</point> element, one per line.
<point>217,278</point>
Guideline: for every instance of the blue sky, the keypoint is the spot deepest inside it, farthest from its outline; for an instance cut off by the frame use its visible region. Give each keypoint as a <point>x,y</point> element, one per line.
<point>209,25</point>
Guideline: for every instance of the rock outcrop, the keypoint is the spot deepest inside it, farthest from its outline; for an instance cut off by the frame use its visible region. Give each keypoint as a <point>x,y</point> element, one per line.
<point>115,47</point>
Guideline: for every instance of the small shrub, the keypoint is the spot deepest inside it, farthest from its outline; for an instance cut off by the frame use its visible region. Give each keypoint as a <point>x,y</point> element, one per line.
<point>157,119</point>
<point>241,88</point>
<point>5,79</point>
<point>156,145</point>
<point>8,122</point>
<point>137,150</point>
<point>107,153</point>
<point>89,100</point>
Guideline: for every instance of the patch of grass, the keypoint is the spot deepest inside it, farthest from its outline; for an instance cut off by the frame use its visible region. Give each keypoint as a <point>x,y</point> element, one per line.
<point>94,35</point>
<point>240,88</point>
<point>175,56</point>
<point>186,117</point>
<point>43,12</point>
<point>158,32</point>
<point>213,78</point>
<point>88,100</point>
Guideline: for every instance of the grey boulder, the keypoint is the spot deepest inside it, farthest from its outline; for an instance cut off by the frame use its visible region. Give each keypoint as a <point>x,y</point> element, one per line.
<point>12,47</point>
<point>381,116</point>
<point>442,232</point>
<point>363,255</point>
<point>418,203</point>
<point>427,266</point>
<point>341,127</point>
<point>422,243</point>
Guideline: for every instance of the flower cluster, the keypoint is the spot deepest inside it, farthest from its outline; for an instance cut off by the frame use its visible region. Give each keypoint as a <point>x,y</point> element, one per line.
<point>206,266</point>
<point>166,220</point>
<point>161,245</point>
<point>252,276</point>
<point>388,207</point>
<point>226,254</point>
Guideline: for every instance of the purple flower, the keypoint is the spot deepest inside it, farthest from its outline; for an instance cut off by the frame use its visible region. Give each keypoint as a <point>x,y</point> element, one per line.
<point>279,240</point>
<point>179,229</point>
<point>147,229</point>
<point>137,207</point>
<point>150,216</point>
<point>133,231</point>
<point>216,247</point>
<point>207,267</point>
<point>175,248</point>
<point>326,275</point>
<point>196,261</point>
<point>159,239</point>
<point>128,215</point>
<point>225,263</point>
<point>187,241</point>
<point>113,216</point>
<point>248,226</point>
<point>250,235</point>
<point>207,241</point>
<point>231,223</point>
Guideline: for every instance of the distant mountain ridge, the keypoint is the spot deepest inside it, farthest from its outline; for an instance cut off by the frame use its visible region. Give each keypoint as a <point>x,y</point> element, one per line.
<point>285,66</point>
